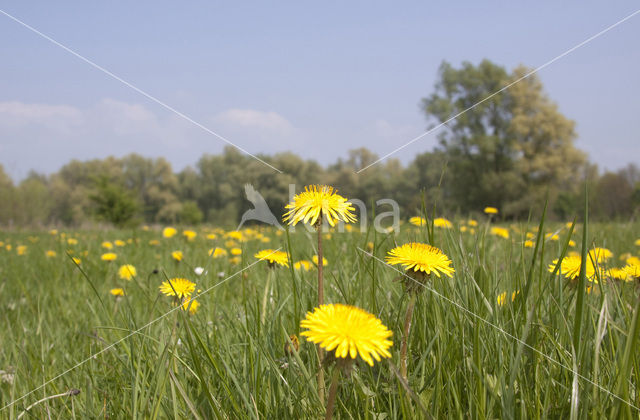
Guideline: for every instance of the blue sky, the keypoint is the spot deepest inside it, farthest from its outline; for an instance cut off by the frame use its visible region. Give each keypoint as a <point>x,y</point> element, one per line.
<point>317,79</point>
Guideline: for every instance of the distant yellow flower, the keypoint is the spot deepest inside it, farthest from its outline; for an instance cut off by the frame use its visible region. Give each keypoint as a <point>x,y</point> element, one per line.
<point>169,231</point>
<point>315,261</point>
<point>552,236</point>
<point>118,292</point>
<point>127,272</point>
<point>529,244</point>
<point>189,234</point>
<point>266,239</point>
<point>570,268</point>
<point>349,331</point>
<point>177,255</point>
<point>119,242</point>
<point>212,236</point>
<point>498,231</point>
<point>472,222</point>
<point>632,269</point>
<point>417,221</point>
<point>50,253</point>
<point>231,244</point>
<point>370,246</point>
<point>572,242</point>
<point>191,305</point>
<point>8,247</point>
<point>502,297</point>
<point>235,234</point>
<point>154,242</point>
<point>637,242</point>
<point>316,201</point>
<point>273,257</point>
<point>109,256</point>
<point>235,260</point>
<point>217,252</point>
<point>302,265</point>
<point>530,235</point>
<point>21,249</point>
<point>619,274</point>
<point>72,241</point>
<point>600,254</point>
<point>490,210</point>
<point>76,260</point>
<point>236,251</point>
<point>178,287</point>
<point>107,245</point>
<point>441,222</point>
<point>421,257</point>
<point>463,228</point>
<point>53,231</point>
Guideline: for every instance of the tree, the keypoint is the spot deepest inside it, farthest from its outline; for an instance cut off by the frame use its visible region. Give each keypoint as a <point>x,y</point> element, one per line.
<point>113,203</point>
<point>505,151</point>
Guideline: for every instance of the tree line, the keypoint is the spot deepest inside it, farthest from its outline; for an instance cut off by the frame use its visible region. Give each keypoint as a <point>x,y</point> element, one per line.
<point>513,151</point>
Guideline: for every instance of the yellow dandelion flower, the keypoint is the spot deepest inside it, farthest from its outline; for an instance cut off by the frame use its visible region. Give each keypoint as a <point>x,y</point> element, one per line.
<point>191,306</point>
<point>77,260</point>
<point>348,330</point>
<point>50,253</point>
<point>109,256</point>
<point>632,269</point>
<point>118,292</point>
<point>265,239</point>
<point>178,287</point>
<point>441,222</point>
<point>472,222</point>
<point>21,249</point>
<point>637,242</point>
<point>119,242</point>
<point>302,265</point>
<point>212,236</point>
<point>236,251</point>
<point>369,246</point>
<point>418,221</point>
<point>421,257</point>
<point>235,260</point>
<point>619,274</point>
<point>316,201</point>
<point>217,252</point>
<point>273,257</point>
<point>529,244</point>
<point>600,254</point>
<point>572,242</point>
<point>168,232</point>
<point>570,268</point>
<point>8,247</point>
<point>463,228</point>
<point>53,231</point>
<point>154,242</point>
<point>189,234</point>
<point>552,237</point>
<point>177,255</point>
<point>315,261</point>
<point>501,232</point>
<point>490,210</point>
<point>72,241</point>
<point>127,272</point>
<point>235,234</point>
<point>530,235</point>
<point>231,244</point>
<point>107,245</point>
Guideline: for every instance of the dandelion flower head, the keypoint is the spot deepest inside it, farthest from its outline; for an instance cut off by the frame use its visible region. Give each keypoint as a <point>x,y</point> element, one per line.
<point>317,200</point>
<point>348,330</point>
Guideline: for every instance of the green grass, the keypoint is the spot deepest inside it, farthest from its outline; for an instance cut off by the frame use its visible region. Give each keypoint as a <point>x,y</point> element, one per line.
<point>468,356</point>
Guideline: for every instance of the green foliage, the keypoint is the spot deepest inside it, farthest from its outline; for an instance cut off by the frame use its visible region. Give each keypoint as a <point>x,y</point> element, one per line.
<point>112,203</point>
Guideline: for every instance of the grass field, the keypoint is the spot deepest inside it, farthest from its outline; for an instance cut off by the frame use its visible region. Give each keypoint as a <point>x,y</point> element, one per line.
<point>472,352</point>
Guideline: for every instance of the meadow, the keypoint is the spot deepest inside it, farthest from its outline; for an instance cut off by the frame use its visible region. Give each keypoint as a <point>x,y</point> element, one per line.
<point>498,339</point>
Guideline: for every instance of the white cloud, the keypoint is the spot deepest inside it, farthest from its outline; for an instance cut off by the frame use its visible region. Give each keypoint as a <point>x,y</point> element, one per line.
<point>19,115</point>
<point>253,119</point>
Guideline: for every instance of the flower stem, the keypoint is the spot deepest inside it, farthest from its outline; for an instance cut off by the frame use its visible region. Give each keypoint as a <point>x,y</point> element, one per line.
<point>264,298</point>
<point>333,390</point>
<point>405,335</point>
<point>320,302</point>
